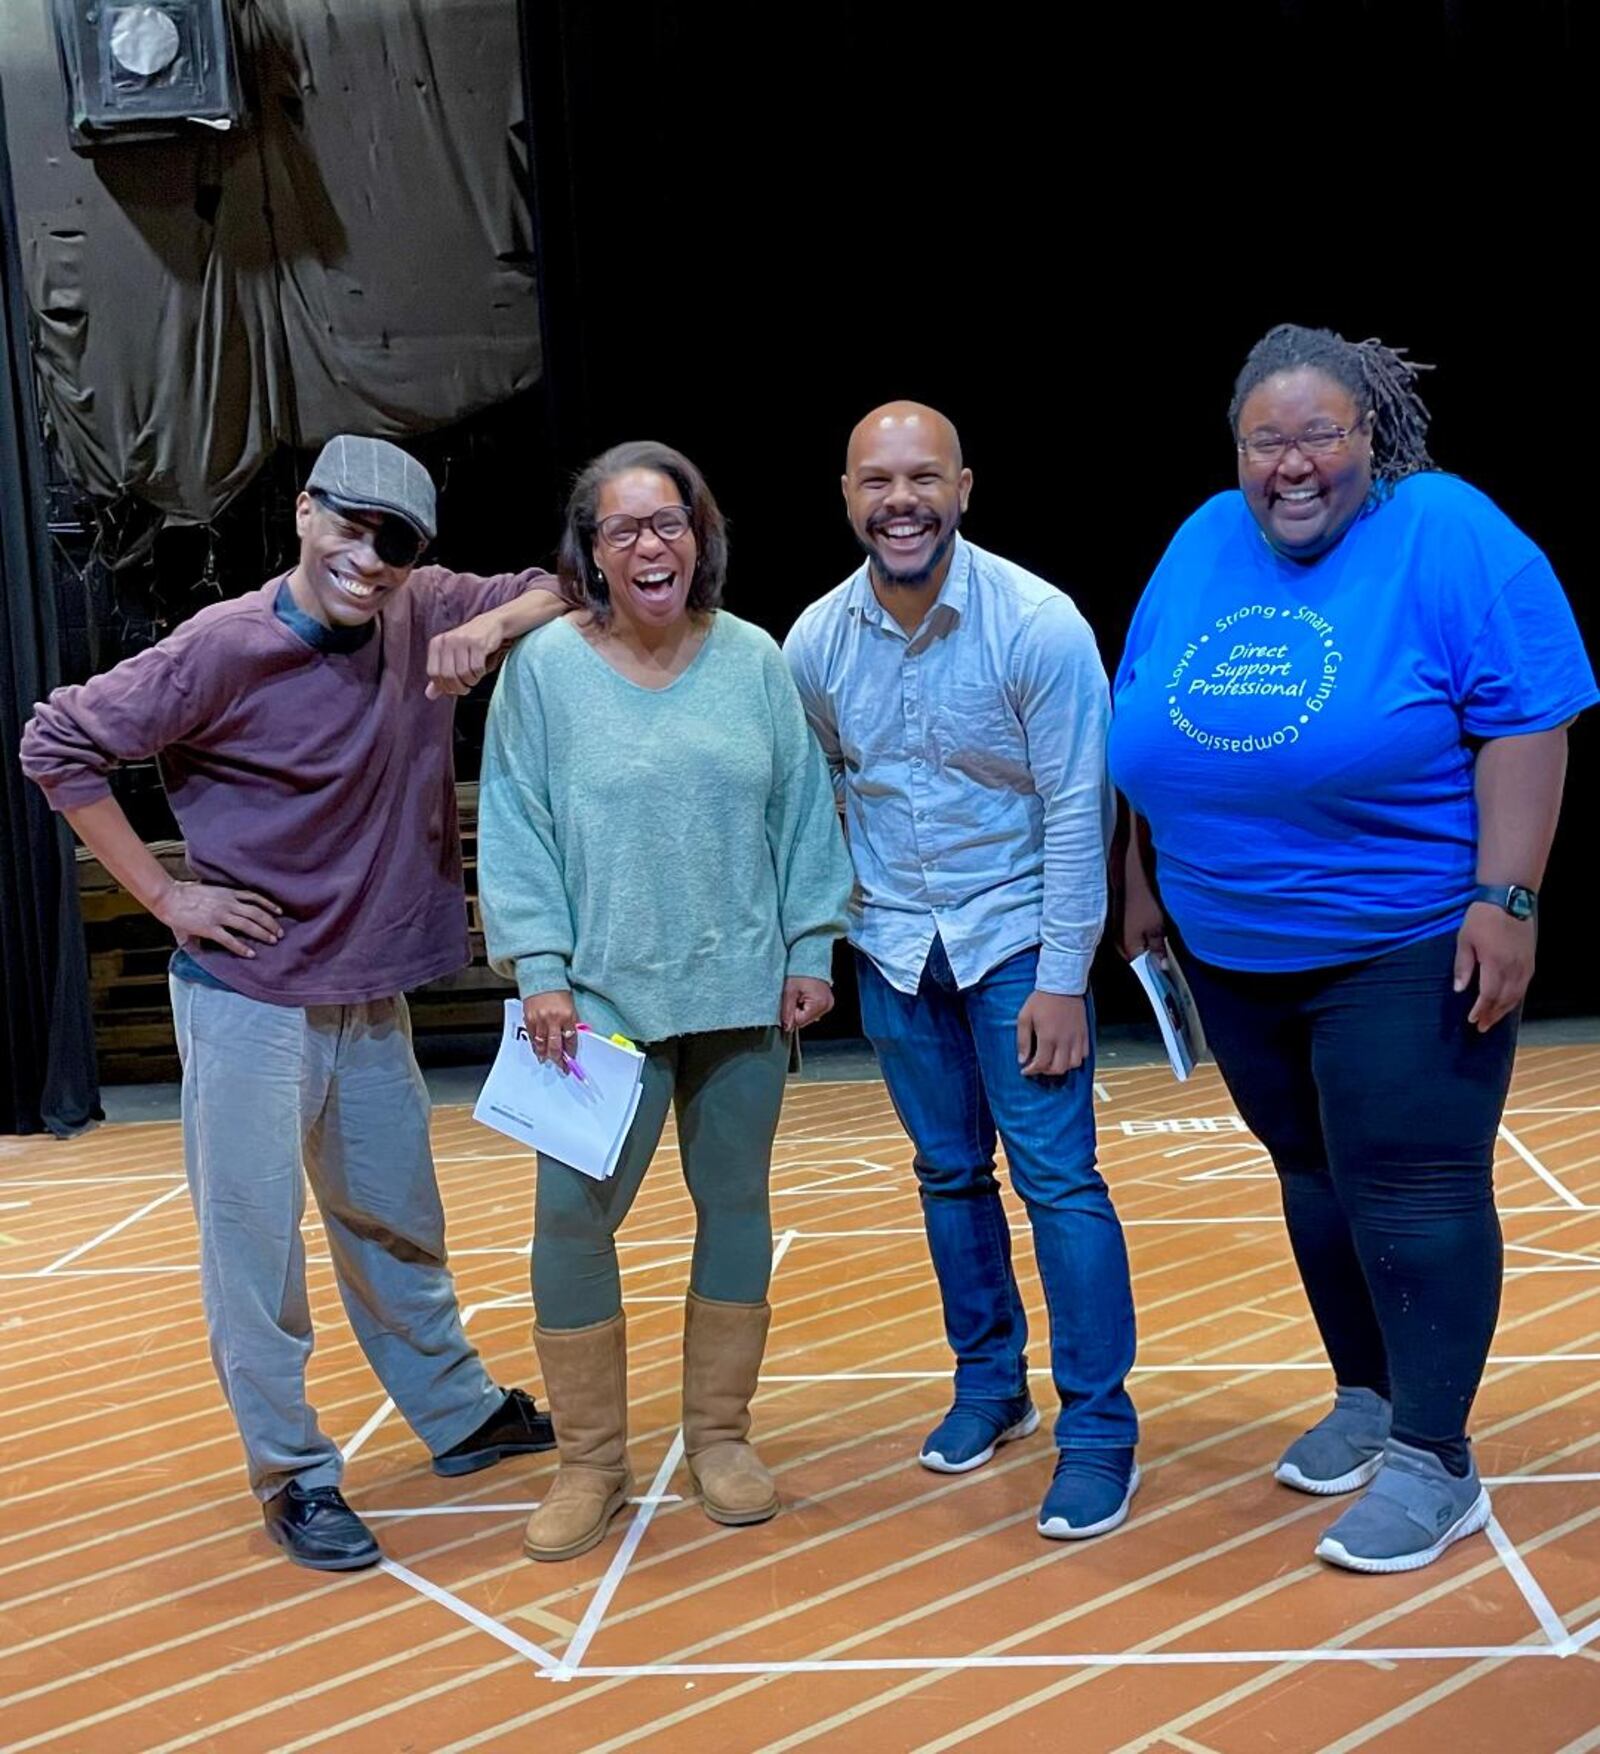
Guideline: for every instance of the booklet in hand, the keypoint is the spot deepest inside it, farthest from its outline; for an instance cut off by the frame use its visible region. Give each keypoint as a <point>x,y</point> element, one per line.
<point>580,1120</point>
<point>1173,1004</point>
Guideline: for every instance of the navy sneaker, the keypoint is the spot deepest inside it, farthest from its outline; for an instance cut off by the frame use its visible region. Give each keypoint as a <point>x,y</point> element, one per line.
<point>316,1528</point>
<point>1089,1495</point>
<point>969,1434</point>
<point>517,1429</point>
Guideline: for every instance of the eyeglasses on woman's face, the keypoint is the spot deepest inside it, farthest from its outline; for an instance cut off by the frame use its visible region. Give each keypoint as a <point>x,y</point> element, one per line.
<point>1266,445</point>
<point>670,522</point>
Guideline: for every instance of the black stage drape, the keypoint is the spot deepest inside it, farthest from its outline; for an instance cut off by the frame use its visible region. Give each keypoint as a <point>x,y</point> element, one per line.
<point>1065,226</point>
<point>47,1069</point>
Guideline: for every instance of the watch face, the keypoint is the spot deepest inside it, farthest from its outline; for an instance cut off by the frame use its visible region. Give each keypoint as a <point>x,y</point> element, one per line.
<point>1519,902</point>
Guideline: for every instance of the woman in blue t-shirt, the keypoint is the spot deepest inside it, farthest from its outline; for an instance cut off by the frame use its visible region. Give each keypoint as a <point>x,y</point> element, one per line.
<point>1341,724</point>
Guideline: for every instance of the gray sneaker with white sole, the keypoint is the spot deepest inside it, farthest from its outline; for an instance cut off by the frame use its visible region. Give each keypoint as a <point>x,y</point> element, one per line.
<point>1414,1509</point>
<point>1342,1451</point>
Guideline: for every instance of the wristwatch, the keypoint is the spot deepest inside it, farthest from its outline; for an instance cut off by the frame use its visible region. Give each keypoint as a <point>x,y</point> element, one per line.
<point>1519,901</point>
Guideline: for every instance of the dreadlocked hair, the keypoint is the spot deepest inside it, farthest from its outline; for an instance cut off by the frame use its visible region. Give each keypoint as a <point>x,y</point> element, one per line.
<point>1381,381</point>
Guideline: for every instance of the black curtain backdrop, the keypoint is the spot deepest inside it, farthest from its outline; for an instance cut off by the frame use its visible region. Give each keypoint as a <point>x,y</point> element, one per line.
<point>1066,227</point>
<point>47,1070</point>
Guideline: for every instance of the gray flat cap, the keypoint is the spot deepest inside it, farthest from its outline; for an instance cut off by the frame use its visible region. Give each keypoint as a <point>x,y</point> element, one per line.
<point>371,475</point>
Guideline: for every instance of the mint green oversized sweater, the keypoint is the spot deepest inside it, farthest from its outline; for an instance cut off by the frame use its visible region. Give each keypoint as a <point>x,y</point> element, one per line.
<point>670,855</point>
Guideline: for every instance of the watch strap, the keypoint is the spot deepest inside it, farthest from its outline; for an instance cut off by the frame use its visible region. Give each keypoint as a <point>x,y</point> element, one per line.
<point>1515,899</point>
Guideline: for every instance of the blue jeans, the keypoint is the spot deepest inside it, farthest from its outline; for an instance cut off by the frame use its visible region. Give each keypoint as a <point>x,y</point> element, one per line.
<point>949,1058</point>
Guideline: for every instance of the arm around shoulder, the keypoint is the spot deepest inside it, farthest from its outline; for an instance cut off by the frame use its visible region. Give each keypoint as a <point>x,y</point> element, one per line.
<point>462,654</point>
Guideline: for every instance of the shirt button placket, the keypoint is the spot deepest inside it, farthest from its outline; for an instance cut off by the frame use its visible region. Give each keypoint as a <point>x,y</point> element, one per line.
<point>915,742</point>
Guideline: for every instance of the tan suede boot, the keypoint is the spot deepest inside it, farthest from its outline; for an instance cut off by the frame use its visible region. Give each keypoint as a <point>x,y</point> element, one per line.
<point>586,1382</point>
<point>723,1344</point>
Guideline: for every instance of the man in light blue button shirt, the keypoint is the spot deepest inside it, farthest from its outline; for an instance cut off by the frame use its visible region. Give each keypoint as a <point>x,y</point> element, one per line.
<point>962,707</point>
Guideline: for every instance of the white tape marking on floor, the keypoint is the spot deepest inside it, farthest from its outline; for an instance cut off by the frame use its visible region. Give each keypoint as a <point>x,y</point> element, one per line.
<point>596,1612</point>
<point>1086,1660</point>
<point>1544,1175</point>
<point>1540,1479</point>
<point>114,1230</point>
<point>1550,1622</point>
<point>495,1509</point>
<point>535,1653</point>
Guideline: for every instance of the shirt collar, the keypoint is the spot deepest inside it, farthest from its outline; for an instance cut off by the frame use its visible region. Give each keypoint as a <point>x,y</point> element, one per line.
<point>862,600</point>
<point>319,637</point>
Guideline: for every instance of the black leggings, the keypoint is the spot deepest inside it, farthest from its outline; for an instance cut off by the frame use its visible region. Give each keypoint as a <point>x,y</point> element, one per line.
<point>1379,1105</point>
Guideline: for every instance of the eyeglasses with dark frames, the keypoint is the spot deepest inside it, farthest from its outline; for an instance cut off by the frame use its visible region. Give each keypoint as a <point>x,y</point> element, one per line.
<point>621,531</point>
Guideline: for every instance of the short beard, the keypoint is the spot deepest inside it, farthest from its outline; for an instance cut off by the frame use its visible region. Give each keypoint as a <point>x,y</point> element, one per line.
<point>918,576</point>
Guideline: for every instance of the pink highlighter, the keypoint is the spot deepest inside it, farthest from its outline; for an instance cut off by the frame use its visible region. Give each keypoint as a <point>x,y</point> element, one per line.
<point>569,1064</point>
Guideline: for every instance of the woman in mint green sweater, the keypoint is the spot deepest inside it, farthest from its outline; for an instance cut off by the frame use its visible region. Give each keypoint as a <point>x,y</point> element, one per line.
<point>658,855</point>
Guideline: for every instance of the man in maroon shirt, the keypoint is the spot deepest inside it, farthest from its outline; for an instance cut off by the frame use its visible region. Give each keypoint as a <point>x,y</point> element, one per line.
<point>304,736</point>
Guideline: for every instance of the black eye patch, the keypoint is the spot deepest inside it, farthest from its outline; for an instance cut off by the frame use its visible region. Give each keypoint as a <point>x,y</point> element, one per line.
<point>396,544</point>
<point>394,541</point>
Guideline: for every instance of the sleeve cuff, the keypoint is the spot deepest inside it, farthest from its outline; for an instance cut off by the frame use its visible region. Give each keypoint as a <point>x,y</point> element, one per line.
<point>542,974</point>
<point>76,792</point>
<point>811,959</point>
<point>1060,972</point>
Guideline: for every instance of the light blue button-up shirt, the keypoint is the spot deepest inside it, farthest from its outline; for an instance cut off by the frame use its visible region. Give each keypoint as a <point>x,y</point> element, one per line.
<point>970,758</point>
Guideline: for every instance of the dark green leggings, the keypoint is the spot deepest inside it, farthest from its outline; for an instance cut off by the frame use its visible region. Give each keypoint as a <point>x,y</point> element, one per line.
<point>726,1088</point>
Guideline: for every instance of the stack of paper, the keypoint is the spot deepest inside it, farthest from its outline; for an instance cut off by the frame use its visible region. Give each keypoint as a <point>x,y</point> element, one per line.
<point>582,1121</point>
<point>1173,1004</point>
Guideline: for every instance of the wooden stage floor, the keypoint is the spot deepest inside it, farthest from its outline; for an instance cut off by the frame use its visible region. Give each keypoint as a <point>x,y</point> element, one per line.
<point>887,1608</point>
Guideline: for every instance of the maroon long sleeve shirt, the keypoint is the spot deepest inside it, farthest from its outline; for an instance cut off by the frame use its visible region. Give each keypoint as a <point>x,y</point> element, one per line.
<point>320,778</point>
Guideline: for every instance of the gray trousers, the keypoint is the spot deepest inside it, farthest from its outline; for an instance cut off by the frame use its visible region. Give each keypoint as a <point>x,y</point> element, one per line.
<point>272,1094</point>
